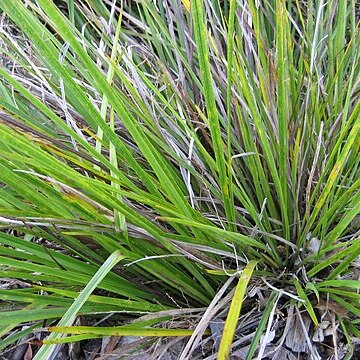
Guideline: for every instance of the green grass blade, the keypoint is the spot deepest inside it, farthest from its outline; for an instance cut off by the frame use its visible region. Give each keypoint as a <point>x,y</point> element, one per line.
<point>201,37</point>
<point>70,315</point>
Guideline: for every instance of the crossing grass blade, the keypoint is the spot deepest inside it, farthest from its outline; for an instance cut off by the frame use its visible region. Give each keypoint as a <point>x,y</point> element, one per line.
<point>118,331</point>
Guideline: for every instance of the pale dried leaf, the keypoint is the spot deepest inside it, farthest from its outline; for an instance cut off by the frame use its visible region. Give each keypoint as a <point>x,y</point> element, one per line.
<point>296,339</point>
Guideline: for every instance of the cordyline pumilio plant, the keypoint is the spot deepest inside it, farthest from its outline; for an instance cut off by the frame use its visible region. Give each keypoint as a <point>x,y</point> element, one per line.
<point>190,168</point>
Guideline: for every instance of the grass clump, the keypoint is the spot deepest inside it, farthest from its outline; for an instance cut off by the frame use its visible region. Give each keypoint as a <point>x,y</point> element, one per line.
<point>211,147</point>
